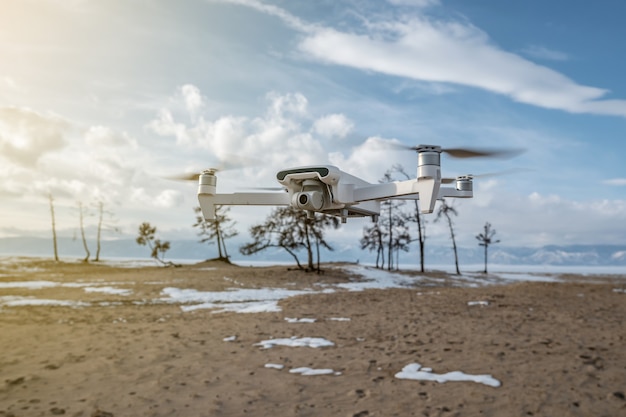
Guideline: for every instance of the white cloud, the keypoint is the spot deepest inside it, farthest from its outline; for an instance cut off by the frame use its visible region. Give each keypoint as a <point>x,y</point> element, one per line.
<point>25,135</point>
<point>333,126</point>
<point>165,199</point>
<point>415,3</point>
<point>278,139</point>
<point>193,98</point>
<point>372,158</point>
<point>106,137</point>
<point>422,48</point>
<point>541,52</point>
<point>615,181</point>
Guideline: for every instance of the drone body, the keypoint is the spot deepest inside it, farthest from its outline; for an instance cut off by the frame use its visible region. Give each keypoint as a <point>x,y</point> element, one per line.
<point>328,190</point>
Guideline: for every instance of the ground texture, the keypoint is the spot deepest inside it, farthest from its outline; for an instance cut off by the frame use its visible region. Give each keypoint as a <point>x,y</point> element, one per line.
<point>126,349</point>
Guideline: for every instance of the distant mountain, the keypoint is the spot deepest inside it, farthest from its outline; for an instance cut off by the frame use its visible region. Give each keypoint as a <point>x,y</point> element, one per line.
<point>569,255</point>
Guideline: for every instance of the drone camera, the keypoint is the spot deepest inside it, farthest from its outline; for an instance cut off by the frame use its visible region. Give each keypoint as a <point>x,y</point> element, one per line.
<point>308,200</point>
<point>311,197</point>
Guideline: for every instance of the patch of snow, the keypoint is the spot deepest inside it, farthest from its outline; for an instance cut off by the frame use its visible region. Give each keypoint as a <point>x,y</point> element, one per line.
<point>240,300</point>
<point>109,290</point>
<point>15,301</point>
<point>478,303</point>
<point>301,320</point>
<point>309,371</point>
<point>416,372</point>
<point>312,342</point>
<point>339,319</point>
<point>230,339</point>
<point>31,285</point>
<point>622,290</point>
<point>246,307</point>
<point>377,279</point>
<point>274,366</point>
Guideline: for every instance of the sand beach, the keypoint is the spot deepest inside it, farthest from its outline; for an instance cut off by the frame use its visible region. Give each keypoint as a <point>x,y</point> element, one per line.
<point>213,339</point>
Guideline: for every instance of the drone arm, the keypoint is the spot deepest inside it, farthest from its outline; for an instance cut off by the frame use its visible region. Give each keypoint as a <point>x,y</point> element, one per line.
<point>385,190</point>
<point>454,193</point>
<point>425,188</point>
<point>209,201</point>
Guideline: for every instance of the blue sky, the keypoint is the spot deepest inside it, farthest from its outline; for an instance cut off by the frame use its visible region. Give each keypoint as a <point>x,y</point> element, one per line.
<point>100,100</point>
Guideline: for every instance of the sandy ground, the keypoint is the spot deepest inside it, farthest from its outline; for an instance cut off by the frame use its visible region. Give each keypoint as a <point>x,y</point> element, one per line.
<point>557,348</point>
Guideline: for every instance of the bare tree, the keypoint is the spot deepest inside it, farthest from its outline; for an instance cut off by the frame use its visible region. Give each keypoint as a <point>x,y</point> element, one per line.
<point>220,229</point>
<point>102,224</point>
<point>485,239</point>
<point>54,230</point>
<point>447,211</point>
<point>147,237</point>
<point>415,217</point>
<point>82,231</point>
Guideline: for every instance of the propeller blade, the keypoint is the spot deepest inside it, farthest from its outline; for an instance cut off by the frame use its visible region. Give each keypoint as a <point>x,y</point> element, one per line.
<point>193,176</point>
<point>226,163</point>
<point>463,152</point>
<point>484,152</point>
<point>183,177</point>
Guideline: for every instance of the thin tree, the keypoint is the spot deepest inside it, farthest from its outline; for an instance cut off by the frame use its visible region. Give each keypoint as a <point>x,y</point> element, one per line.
<point>447,211</point>
<point>216,231</point>
<point>415,217</point>
<point>102,224</point>
<point>54,230</point>
<point>82,231</point>
<point>485,239</point>
<point>147,237</point>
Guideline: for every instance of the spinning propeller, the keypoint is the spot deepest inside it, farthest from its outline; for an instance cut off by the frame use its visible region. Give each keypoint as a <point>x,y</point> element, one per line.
<point>230,162</point>
<point>464,152</point>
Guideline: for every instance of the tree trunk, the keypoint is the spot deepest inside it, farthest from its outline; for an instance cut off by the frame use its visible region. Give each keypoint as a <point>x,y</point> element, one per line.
<point>98,234</point>
<point>317,249</point>
<point>295,257</point>
<point>82,232</point>
<point>485,271</point>
<point>390,247</point>
<point>420,235</point>
<point>309,249</point>
<point>219,244</point>
<point>381,250</point>
<point>456,257</point>
<point>54,230</point>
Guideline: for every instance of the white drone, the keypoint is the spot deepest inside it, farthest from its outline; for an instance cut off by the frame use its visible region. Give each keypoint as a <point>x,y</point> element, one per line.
<point>328,190</point>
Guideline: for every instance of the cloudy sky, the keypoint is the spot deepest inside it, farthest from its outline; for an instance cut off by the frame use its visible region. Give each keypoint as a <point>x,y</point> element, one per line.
<point>101,100</point>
